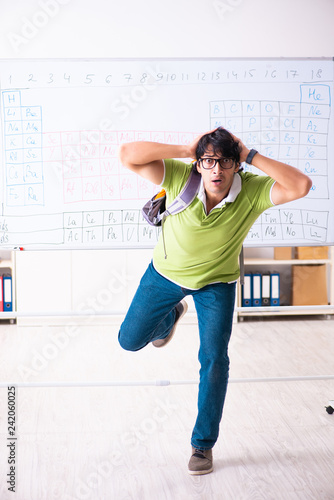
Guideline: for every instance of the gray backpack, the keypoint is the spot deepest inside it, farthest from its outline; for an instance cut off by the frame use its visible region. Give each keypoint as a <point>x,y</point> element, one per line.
<point>154,211</point>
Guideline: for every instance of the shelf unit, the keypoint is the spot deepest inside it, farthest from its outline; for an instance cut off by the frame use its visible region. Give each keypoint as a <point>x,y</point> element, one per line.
<point>7,266</point>
<point>274,265</point>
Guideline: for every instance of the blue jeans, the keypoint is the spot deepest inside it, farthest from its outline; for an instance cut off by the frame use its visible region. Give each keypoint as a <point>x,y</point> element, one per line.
<point>151,316</point>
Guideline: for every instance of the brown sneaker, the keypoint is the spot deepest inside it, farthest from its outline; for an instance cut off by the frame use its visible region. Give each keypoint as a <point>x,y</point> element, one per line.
<point>200,462</point>
<point>181,309</point>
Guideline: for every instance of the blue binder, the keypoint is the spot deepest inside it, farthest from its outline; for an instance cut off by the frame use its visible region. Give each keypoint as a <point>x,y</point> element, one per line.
<point>274,289</point>
<point>246,290</point>
<point>7,293</point>
<point>257,290</point>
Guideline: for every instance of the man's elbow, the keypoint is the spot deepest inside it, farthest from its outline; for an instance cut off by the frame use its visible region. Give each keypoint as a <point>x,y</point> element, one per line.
<point>125,155</point>
<point>300,189</point>
<point>305,186</point>
<point>122,154</point>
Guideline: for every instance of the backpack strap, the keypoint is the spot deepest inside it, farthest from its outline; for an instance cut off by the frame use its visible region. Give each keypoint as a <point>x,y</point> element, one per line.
<point>187,195</point>
<point>184,198</point>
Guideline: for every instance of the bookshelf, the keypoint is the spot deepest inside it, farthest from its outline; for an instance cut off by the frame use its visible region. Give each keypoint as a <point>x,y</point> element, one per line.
<point>257,260</point>
<point>266,265</point>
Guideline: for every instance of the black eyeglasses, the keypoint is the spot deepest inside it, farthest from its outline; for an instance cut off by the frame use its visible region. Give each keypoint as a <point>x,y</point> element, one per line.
<point>208,163</point>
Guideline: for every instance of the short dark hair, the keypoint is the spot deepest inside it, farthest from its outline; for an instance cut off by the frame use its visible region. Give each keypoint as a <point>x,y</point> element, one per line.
<point>222,143</point>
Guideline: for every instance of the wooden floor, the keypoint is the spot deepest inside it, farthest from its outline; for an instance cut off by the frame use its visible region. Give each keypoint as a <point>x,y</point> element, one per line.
<point>132,442</point>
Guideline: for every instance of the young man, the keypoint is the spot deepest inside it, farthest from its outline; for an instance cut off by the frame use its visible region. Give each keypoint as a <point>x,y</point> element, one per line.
<point>199,256</point>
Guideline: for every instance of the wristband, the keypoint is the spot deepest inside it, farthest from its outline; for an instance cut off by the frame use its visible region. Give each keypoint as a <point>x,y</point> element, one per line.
<point>250,156</point>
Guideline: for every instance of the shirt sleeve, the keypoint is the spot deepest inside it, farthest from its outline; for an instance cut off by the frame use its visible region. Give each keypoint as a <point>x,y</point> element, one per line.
<point>258,189</point>
<point>176,175</point>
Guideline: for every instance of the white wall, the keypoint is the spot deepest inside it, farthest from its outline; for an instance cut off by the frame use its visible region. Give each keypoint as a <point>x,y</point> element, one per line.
<point>84,280</point>
<point>173,28</point>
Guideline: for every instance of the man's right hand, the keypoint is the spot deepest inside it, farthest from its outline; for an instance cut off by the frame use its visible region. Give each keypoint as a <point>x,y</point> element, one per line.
<point>193,145</point>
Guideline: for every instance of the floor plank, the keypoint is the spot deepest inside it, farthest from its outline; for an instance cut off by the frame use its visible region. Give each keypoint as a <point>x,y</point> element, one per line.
<point>132,442</point>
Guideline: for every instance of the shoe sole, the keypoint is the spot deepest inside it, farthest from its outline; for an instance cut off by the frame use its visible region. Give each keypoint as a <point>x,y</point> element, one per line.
<point>200,472</point>
<point>171,335</point>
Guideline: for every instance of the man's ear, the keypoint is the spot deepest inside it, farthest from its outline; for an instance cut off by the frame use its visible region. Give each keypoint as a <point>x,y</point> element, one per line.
<point>197,165</point>
<point>237,167</point>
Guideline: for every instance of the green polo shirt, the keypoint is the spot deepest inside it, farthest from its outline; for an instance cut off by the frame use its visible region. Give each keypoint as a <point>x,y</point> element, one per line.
<point>204,248</point>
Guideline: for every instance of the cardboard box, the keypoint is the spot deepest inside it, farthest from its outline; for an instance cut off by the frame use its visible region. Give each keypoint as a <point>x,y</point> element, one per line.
<point>309,285</point>
<point>284,253</point>
<point>312,253</point>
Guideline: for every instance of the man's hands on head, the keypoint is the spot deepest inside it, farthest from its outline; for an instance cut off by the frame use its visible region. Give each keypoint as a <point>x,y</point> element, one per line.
<point>193,145</point>
<point>243,149</point>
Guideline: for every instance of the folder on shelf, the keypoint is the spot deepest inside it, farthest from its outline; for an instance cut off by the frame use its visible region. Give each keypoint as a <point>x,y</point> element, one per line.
<point>247,291</point>
<point>7,293</point>
<point>265,290</point>
<point>1,294</point>
<point>274,289</point>
<point>256,288</point>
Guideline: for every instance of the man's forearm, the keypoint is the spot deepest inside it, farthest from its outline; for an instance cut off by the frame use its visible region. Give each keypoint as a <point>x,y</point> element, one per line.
<point>143,152</point>
<point>289,177</point>
<point>291,183</point>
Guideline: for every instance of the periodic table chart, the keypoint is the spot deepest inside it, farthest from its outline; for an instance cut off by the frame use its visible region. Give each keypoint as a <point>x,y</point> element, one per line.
<point>63,121</point>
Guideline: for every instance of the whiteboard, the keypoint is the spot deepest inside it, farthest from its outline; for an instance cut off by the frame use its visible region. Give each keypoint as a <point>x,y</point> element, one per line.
<point>62,122</point>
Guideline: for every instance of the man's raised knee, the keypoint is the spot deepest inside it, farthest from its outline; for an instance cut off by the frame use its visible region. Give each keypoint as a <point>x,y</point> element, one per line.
<point>126,343</point>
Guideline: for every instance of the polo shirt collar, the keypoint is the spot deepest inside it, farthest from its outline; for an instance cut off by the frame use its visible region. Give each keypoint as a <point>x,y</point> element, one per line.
<point>232,194</point>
